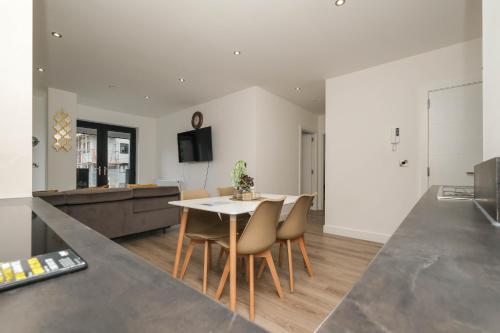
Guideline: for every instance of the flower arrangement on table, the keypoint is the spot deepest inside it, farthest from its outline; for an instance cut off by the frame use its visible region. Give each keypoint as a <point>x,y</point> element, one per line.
<point>242,182</point>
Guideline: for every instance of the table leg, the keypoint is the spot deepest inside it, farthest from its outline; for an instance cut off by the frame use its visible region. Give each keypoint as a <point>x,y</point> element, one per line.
<point>232,262</point>
<point>180,239</point>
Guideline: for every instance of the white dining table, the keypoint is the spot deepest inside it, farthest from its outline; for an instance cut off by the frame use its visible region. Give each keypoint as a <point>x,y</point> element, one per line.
<point>222,205</point>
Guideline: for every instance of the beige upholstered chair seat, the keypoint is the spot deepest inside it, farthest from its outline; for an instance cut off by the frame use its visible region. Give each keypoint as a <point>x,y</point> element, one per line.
<point>224,242</point>
<point>225,191</point>
<point>294,225</point>
<point>211,232</point>
<point>255,240</point>
<point>202,228</point>
<point>292,230</point>
<point>205,225</point>
<point>241,221</point>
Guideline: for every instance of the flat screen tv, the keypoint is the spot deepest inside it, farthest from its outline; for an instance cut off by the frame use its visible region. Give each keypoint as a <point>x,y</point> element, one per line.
<point>195,146</point>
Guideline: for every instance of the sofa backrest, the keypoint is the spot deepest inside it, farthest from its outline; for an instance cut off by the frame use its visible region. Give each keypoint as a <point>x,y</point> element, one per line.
<point>88,196</point>
<point>99,195</point>
<point>158,191</point>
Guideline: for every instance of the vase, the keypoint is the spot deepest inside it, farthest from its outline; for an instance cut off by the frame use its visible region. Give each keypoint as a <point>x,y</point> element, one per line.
<point>247,196</point>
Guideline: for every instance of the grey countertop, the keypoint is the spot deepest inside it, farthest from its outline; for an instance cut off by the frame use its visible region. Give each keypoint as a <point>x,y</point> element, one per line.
<point>439,272</point>
<point>118,292</point>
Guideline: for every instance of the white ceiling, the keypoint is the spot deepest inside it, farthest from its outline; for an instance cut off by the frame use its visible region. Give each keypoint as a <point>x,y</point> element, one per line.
<point>144,46</point>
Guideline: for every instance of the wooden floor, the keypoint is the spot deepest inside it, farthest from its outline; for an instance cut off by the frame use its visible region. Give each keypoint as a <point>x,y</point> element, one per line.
<point>337,263</point>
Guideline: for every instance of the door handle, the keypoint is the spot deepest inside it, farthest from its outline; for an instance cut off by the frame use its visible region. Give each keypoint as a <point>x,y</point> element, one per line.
<point>99,170</point>
<point>105,171</point>
<point>469,173</point>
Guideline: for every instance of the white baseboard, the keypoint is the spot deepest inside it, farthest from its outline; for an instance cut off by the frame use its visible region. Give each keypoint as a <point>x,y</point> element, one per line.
<point>355,233</point>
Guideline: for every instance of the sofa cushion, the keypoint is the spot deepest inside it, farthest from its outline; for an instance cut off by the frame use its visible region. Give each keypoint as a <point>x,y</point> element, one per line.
<point>107,218</point>
<point>159,191</point>
<point>52,197</point>
<point>150,204</point>
<point>97,195</point>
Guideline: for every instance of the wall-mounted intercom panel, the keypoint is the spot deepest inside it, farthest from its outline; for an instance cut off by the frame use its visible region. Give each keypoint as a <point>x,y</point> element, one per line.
<point>395,138</point>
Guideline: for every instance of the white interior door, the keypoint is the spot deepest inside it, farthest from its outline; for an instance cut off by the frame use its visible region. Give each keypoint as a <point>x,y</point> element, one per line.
<point>455,135</point>
<point>308,174</point>
<point>307,165</point>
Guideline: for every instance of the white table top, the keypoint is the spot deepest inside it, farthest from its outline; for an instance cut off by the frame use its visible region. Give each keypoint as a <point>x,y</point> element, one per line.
<point>224,205</point>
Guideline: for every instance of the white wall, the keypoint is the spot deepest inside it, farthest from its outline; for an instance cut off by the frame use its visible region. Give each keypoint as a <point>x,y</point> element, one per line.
<point>491,78</point>
<point>233,138</point>
<point>40,131</point>
<point>252,125</point>
<point>367,193</point>
<point>61,171</point>
<point>15,97</point>
<point>147,160</point>
<point>279,125</point>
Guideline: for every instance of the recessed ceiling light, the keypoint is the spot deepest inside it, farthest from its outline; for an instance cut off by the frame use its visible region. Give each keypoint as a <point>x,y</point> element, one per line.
<point>297,88</point>
<point>56,34</point>
<point>237,52</point>
<point>339,2</point>
<point>181,79</point>
<point>147,97</point>
<point>40,69</point>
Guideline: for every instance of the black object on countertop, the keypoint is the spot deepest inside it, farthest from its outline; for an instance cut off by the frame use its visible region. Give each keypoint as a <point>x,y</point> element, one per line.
<point>30,251</point>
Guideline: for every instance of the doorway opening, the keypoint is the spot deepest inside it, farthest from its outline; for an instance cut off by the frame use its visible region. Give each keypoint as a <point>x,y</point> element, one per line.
<point>308,176</point>
<point>455,134</point>
<point>105,155</point>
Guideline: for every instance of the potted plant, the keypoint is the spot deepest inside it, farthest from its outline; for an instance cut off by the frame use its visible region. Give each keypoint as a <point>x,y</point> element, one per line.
<point>242,182</point>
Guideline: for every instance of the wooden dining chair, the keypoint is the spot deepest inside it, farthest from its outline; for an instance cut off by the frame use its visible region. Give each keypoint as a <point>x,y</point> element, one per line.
<point>256,241</point>
<point>292,230</point>
<point>225,191</point>
<point>241,220</point>
<point>202,228</point>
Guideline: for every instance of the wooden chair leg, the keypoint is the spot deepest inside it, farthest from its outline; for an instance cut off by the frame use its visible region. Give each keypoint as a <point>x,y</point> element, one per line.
<point>205,266</point>
<point>274,274</point>
<point>262,266</point>
<point>307,262</point>
<point>251,283</point>
<point>223,280</point>
<point>290,264</point>
<point>280,255</point>
<point>189,251</point>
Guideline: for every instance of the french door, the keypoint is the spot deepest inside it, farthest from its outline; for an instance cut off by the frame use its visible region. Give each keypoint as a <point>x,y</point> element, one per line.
<point>106,155</point>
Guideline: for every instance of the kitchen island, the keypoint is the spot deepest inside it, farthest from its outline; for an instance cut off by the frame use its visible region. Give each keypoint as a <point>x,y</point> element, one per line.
<point>439,272</point>
<point>118,292</point>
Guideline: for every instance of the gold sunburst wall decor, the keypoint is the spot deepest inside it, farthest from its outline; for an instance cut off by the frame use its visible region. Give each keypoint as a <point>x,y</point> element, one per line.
<point>62,131</point>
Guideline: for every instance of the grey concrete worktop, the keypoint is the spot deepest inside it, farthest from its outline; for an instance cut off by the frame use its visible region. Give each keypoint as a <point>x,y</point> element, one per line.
<point>439,272</point>
<point>118,292</point>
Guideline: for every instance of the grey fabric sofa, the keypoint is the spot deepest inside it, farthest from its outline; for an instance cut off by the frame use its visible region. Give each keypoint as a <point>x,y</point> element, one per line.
<point>117,212</point>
